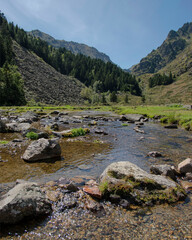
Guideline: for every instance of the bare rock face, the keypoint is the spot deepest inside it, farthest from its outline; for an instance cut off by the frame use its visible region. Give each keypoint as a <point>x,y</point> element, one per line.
<point>185,166</point>
<point>24,200</point>
<point>137,186</point>
<point>42,149</point>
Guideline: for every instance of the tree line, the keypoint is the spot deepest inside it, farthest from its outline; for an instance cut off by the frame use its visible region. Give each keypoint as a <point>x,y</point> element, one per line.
<point>159,79</point>
<point>11,83</point>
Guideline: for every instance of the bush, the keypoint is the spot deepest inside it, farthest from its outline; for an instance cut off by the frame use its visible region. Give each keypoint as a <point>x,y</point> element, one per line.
<point>32,135</point>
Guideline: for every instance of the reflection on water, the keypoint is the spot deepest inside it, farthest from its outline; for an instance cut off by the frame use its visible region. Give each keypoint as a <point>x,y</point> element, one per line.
<point>121,144</point>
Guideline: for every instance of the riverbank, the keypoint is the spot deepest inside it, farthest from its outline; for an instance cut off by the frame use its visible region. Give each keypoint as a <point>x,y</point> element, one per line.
<point>171,114</point>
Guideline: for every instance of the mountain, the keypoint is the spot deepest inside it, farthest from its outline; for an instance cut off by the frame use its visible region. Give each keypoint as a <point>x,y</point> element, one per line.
<point>173,56</point>
<point>42,82</point>
<point>175,43</point>
<point>71,46</point>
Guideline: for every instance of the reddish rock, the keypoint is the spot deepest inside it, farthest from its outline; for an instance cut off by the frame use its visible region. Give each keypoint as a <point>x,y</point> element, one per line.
<point>93,191</point>
<point>186,185</point>
<point>185,166</point>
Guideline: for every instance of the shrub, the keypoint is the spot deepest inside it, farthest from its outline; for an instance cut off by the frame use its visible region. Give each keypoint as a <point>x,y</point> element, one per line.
<point>32,135</point>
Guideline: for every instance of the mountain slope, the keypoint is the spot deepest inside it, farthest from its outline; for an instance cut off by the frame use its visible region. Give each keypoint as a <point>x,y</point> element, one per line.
<point>42,82</point>
<point>71,46</point>
<point>175,43</point>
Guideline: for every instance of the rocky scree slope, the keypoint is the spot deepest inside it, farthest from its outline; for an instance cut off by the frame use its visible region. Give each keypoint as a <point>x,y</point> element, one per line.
<point>71,46</point>
<point>175,43</point>
<point>43,83</point>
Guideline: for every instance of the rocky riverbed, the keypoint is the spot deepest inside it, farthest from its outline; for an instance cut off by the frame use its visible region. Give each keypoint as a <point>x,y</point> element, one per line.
<point>68,181</point>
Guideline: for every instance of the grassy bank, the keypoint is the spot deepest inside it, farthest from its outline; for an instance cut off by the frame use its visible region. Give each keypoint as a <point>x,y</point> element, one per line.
<point>169,114</point>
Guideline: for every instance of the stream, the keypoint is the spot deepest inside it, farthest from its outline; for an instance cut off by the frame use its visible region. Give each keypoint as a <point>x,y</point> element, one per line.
<point>85,159</point>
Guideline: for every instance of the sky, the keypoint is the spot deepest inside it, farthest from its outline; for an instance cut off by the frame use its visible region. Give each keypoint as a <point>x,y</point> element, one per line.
<point>125,30</point>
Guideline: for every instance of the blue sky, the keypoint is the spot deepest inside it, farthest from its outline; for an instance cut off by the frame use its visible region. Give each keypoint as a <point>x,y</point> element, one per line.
<point>126,30</point>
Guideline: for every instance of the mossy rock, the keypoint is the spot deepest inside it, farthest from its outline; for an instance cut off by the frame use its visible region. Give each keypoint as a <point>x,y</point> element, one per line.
<point>137,186</point>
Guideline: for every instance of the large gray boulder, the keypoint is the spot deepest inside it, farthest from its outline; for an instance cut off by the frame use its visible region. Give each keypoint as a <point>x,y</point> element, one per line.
<point>132,117</point>
<point>24,200</point>
<point>29,117</point>
<point>42,149</point>
<point>18,127</point>
<point>136,185</point>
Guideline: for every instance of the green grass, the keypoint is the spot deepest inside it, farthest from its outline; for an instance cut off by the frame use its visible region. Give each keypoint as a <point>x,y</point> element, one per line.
<point>4,142</point>
<point>32,135</point>
<point>76,132</point>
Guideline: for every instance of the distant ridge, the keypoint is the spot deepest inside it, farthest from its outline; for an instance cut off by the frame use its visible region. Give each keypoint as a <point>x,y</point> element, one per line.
<point>175,43</point>
<point>71,46</point>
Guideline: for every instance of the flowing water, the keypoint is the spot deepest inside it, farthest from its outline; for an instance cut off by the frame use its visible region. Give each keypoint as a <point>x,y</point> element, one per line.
<point>89,157</point>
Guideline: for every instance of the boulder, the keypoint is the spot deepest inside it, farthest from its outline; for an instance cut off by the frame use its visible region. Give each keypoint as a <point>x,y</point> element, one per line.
<point>3,127</point>
<point>24,200</point>
<point>132,117</point>
<point>165,170</point>
<point>18,127</point>
<point>42,149</point>
<point>29,117</point>
<point>185,166</point>
<point>137,186</point>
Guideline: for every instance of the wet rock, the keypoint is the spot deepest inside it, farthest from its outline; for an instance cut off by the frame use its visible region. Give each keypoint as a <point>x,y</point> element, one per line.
<point>138,130</point>
<point>55,127</point>
<point>84,167</point>
<point>93,206</point>
<point>42,149</point>
<point>16,140</point>
<point>124,203</point>
<point>185,166</point>
<point>188,176</point>
<point>137,186</point>
<point>53,195</point>
<point>72,187</point>
<point>67,202</point>
<point>92,123</point>
<point>154,154</point>
<point>18,127</point>
<point>63,114</point>
<point>24,200</point>
<point>165,170</point>
<point>171,126</point>
<point>114,198</point>
<point>139,123</point>
<point>3,127</point>
<point>55,112</point>
<point>43,135</point>
<point>100,131</point>
<point>93,191</point>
